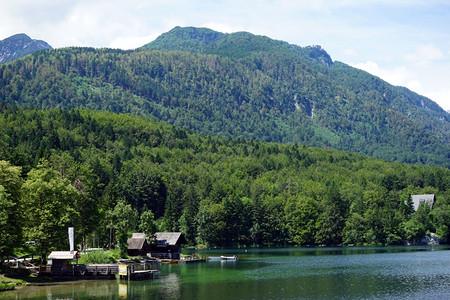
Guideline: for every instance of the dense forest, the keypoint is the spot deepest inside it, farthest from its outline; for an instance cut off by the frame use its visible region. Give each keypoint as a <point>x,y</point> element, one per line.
<point>103,172</point>
<point>238,86</point>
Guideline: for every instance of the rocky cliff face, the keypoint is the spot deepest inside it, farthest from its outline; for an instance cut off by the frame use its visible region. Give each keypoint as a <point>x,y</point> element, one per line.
<point>19,45</point>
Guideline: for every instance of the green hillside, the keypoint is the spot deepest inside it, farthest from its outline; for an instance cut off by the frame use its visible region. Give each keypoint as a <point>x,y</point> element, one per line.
<point>90,169</point>
<point>238,86</point>
<point>236,45</point>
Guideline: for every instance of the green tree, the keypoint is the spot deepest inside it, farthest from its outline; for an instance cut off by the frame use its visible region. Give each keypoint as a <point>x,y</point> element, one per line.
<point>48,204</point>
<point>144,186</point>
<point>354,231</point>
<point>10,214</point>
<point>85,182</point>
<point>147,223</point>
<point>188,220</point>
<point>8,233</point>
<point>123,218</point>
<point>211,224</point>
<point>441,216</point>
<point>331,221</point>
<point>301,215</point>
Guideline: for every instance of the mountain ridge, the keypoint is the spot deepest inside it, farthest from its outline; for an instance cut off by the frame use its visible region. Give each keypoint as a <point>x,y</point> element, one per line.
<point>19,45</point>
<point>253,92</point>
<point>208,41</point>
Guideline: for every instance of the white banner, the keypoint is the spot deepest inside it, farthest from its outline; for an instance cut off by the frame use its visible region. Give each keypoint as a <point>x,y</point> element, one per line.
<point>71,240</point>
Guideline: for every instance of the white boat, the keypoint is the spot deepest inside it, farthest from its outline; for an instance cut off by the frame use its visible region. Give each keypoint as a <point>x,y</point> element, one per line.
<point>234,257</point>
<point>217,258</point>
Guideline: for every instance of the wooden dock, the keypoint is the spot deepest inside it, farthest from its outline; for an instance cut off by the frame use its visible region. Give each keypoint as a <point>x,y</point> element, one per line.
<point>128,270</point>
<point>193,260</point>
<point>138,271</point>
<point>81,271</point>
<point>182,261</point>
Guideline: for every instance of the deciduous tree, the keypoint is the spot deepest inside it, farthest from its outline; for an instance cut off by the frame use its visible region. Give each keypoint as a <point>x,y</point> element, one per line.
<point>48,204</point>
<point>10,215</point>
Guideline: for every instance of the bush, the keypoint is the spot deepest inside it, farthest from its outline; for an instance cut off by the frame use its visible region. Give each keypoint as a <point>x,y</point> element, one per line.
<point>98,257</point>
<point>115,254</point>
<point>7,286</point>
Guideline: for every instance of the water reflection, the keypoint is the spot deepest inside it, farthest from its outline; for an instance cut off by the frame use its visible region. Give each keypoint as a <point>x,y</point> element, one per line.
<point>315,251</point>
<point>170,287</point>
<point>65,290</point>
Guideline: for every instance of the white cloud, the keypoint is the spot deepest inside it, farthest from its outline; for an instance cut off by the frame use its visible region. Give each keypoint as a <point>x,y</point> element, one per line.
<point>413,79</point>
<point>223,27</point>
<point>424,55</point>
<point>350,52</point>
<point>441,96</point>
<point>132,42</point>
<point>397,76</point>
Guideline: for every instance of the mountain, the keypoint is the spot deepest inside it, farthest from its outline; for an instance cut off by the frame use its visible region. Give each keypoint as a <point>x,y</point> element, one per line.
<point>19,45</point>
<point>239,86</point>
<point>236,45</point>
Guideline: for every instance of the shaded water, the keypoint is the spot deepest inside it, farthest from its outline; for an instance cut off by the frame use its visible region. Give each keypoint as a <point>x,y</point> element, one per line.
<point>280,273</point>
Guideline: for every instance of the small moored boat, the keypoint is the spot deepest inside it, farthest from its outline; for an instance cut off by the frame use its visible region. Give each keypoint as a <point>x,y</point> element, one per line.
<point>234,257</point>
<point>217,258</point>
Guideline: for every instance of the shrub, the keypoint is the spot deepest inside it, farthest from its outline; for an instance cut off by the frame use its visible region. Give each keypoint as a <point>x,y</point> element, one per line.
<point>97,257</point>
<point>7,286</point>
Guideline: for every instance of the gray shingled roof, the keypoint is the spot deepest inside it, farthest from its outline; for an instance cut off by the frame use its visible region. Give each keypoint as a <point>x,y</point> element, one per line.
<point>427,198</point>
<point>135,243</point>
<point>169,238</point>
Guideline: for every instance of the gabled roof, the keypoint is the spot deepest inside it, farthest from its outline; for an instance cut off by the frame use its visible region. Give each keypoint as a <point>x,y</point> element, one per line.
<point>426,198</point>
<point>63,255</point>
<point>162,239</point>
<point>136,243</point>
<point>170,238</point>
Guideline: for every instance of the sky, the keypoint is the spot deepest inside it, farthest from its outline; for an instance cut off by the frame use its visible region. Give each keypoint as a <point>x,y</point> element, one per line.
<point>405,42</point>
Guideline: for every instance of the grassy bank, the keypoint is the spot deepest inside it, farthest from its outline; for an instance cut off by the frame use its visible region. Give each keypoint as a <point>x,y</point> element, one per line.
<point>7,283</point>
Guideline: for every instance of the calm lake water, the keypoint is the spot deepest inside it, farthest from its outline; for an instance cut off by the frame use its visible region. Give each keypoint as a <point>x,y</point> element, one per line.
<point>280,273</point>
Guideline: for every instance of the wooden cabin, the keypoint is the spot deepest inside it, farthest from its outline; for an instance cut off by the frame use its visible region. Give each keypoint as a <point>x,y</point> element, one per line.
<point>168,245</point>
<point>163,245</point>
<point>138,245</point>
<point>61,261</point>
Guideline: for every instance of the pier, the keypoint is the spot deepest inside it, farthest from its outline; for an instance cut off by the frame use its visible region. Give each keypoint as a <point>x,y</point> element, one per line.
<point>126,270</point>
<point>81,271</point>
<point>143,270</point>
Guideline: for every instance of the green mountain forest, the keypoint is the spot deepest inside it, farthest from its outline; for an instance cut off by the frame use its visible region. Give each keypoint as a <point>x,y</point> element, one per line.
<point>238,86</point>
<point>105,172</point>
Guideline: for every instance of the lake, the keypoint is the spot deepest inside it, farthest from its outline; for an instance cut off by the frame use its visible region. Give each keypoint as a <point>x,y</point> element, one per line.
<point>280,273</point>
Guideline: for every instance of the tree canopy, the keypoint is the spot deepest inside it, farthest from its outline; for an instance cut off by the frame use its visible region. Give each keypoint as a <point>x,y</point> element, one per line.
<point>116,169</point>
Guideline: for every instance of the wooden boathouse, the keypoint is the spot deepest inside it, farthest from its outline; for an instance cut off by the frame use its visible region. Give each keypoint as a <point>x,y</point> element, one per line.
<point>167,245</point>
<point>164,245</point>
<point>63,267</point>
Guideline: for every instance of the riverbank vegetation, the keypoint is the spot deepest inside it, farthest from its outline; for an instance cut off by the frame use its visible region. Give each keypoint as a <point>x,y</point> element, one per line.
<point>111,174</point>
<point>99,257</point>
<point>7,283</point>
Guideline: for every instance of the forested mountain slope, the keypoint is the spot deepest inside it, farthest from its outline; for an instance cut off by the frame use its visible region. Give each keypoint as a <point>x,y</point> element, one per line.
<point>19,45</point>
<point>91,169</point>
<point>240,86</point>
